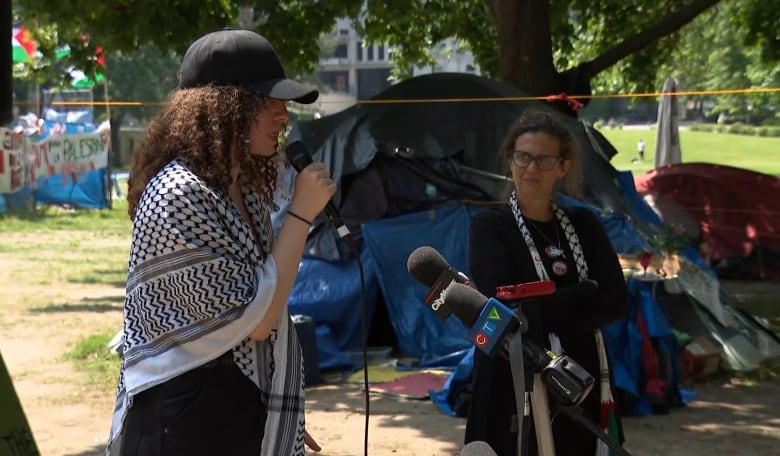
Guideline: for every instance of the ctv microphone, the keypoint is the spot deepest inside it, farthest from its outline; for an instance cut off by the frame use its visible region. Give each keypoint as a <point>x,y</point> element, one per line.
<point>429,268</point>
<point>491,324</point>
<point>299,158</point>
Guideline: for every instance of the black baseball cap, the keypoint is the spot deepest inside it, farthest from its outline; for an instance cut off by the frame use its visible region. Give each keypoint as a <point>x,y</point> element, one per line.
<point>240,58</point>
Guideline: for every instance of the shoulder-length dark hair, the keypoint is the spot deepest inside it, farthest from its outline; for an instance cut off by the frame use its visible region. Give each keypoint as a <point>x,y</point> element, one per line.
<point>208,127</point>
<point>539,121</point>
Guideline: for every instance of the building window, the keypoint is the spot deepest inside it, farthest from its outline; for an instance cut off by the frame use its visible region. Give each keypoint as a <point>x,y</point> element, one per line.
<point>341,51</point>
<point>343,32</point>
<point>360,51</point>
<point>380,52</point>
<point>370,53</point>
<point>336,80</point>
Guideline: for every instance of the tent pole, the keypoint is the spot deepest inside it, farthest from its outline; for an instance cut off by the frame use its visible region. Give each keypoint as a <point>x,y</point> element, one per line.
<point>479,172</point>
<point>109,180</point>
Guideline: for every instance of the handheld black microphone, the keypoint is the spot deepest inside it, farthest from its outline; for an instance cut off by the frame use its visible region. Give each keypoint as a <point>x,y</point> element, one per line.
<point>491,324</point>
<point>299,158</point>
<point>429,268</point>
<point>477,448</point>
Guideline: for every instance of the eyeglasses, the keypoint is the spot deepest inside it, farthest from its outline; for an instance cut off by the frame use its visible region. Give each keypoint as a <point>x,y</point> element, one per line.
<point>543,162</point>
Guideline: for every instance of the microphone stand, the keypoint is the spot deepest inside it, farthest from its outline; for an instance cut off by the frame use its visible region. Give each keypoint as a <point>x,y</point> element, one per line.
<point>544,438</point>
<point>574,412</point>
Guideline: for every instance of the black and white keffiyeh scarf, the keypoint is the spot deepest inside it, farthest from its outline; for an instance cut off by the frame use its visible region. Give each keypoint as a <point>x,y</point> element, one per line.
<point>198,284</point>
<point>606,419</point>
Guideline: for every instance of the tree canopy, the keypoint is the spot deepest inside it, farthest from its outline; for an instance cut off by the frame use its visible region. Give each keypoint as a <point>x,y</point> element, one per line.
<point>541,46</point>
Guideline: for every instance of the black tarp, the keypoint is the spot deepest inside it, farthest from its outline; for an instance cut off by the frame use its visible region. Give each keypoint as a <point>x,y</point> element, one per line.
<point>437,137</point>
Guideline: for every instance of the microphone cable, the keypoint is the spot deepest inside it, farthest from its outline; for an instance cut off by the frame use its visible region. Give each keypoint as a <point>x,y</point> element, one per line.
<point>298,157</point>
<point>363,334</point>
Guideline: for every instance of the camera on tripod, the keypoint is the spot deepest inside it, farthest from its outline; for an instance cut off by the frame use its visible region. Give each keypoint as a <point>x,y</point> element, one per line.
<point>568,382</point>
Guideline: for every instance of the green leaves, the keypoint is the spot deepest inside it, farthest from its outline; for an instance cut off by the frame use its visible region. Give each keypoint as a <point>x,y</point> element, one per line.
<point>631,41</point>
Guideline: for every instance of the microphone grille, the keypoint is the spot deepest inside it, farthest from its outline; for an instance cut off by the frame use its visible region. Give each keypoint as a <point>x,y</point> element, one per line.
<point>477,448</point>
<point>297,155</point>
<point>465,302</point>
<point>425,264</point>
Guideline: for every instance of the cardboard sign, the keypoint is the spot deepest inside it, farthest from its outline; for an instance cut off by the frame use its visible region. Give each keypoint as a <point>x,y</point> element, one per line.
<point>11,161</point>
<point>16,438</point>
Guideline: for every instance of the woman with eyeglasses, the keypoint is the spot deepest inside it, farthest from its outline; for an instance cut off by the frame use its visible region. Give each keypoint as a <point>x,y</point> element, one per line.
<point>530,239</point>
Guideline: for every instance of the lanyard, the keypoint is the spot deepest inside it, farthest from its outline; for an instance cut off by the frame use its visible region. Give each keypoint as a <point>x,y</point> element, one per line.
<point>568,232</point>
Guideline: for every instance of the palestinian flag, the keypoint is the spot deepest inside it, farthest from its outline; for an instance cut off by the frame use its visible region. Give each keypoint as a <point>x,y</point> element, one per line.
<point>608,416</point>
<point>22,45</point>
<point>79,80</point>
<point>24,49</point>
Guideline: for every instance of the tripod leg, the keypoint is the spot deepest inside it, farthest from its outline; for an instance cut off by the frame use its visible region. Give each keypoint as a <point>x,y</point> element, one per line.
<point>541,411</point>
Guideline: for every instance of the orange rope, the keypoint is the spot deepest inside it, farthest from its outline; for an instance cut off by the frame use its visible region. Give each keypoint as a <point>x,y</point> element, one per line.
<point>564,97</point>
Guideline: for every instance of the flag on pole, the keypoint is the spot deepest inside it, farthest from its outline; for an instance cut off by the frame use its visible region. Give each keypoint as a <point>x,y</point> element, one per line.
<point>79,80</point>
<point>22,45</point>
<point>25,49</point>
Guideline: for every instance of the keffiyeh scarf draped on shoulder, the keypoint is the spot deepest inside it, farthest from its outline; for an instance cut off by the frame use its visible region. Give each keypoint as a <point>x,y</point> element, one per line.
<point>607,411</point>
<point>198,284</point>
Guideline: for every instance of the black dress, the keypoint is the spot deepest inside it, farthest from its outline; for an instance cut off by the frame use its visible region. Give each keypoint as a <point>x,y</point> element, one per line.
<point>498,255</point>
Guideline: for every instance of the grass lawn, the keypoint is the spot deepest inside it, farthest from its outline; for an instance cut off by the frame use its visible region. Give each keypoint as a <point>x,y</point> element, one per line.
<point>65,272</point>
<point>56,248</point>
<point>756,153</point>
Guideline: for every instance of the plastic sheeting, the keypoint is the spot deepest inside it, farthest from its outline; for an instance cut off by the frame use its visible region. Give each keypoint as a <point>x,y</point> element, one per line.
<point>329,293</point>
<point>624,341</point>
<point>83,190</point>
<point>469,133</point>
<point>667,141</point>
<point>621,231</point>
<point>420,333</point>
<point>736,208</point>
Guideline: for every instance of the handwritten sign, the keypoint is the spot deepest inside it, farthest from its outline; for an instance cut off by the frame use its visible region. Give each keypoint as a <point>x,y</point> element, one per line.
<point>24,159</point>
<point>67,154</point>
<point>11,161</point>
<point>16,438</point>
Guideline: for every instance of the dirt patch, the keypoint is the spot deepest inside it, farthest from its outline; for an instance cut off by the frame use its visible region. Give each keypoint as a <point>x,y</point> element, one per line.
<point>69,418</point>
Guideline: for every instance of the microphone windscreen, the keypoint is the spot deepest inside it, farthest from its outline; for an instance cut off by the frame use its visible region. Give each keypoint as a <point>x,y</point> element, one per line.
<point>464,302</point>
<point>425,264</point>
<point>477,448</point>
<point>297,155</point>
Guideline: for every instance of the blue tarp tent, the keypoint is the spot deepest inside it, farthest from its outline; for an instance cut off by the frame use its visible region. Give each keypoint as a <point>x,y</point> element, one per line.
<point>85,190</point>
<point>328,291</point>
<point>414,174</point>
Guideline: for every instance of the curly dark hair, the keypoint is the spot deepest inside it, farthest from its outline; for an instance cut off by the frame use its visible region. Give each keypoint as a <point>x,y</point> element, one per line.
<point>202,126</point>
<point>539,121</point>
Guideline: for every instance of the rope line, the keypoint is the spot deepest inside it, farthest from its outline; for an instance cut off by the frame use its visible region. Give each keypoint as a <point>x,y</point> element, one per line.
<point>458,100</point>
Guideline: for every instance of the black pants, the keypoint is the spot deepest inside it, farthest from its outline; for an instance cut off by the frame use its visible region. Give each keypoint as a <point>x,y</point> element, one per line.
<point>207,411</point>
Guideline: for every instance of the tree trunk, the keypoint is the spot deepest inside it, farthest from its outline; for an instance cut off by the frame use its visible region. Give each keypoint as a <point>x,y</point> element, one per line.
<point>525,45</point>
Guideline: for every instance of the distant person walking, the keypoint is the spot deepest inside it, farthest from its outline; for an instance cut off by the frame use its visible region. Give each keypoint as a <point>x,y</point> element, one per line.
<point>640,148</point>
